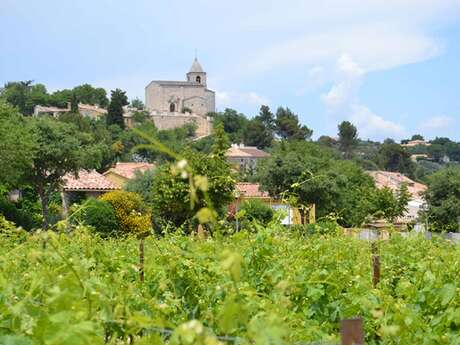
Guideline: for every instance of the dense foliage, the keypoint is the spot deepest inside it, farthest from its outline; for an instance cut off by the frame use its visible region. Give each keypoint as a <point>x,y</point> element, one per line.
<point>175,202</point>
<point>131,213</point>
<point>99,215</point>
<point>305,173</point>
<point>256,210</point>
<point>60,149</point>
<point>265,288</point>
<point>15,155</point>
<point>25,96</point>
<point>118,100</point>
<point>443,200</point>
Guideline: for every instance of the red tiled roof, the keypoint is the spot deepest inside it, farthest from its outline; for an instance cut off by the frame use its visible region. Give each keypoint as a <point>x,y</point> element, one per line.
<point>88,181</point>
<point>128,170</point>
<point>250,190</point>
<point>393,180</point>
<point>246,151</point>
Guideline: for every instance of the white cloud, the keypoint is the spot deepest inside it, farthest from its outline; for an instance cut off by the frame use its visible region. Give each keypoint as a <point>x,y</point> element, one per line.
<point>437,122</point>
<point>343,99</point>
<point>372,46</point>
<point>301,13</point>
<point>226,99</point>
<point>371,125</point>
<point>223,98</point>
<point>338,95</point>
<point>254,99</point>
<point>344,92</point>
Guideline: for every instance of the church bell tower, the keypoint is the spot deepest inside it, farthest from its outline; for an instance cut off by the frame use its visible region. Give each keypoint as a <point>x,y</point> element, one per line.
<point>196,73</point>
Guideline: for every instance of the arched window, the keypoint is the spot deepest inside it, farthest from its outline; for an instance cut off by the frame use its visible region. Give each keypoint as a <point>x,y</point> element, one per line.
<point>172,107</point>
<point>198,79</point>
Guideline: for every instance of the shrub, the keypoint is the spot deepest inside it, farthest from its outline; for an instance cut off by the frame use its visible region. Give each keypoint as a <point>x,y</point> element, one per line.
<point>98,214</point>
<point>17,215</point>
<point>175,202</point>
<point>142,185</point>
<point>257,210</point>
<point>9,229</point>
<point>443,200</point>
<point>133,216</point>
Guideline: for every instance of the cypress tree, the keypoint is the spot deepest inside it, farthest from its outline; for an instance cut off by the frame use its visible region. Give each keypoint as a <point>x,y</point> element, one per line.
<point>118,99</point>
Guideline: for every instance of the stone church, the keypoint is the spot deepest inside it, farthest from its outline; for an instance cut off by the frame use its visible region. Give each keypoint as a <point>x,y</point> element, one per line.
<point>174,103</point>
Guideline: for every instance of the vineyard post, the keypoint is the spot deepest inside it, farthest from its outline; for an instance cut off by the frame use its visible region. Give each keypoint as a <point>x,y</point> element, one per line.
<point>375,264</point>
<point>141,259</point>
<point>351,332</point>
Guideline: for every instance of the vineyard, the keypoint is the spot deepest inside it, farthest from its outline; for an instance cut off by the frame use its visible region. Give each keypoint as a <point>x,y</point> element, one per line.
<point>264,287</point>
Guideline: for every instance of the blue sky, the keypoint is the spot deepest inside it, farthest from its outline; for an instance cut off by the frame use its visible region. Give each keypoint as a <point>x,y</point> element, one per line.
<point>392,67</point>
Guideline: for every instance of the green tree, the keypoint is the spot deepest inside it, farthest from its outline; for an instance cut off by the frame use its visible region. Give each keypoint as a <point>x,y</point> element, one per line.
<point>327,141</point>
<point>267,117</point>
<point>443,200</point>
<point>171,189</point>
<point>142,184</point>
<point>305,173</point>
<point>24,95</point>
<point>60,149</point>
<point>417,137</point>
<point>98,214</point>
<point>234,124</point>
<point>118,99</point>
<point>17,146</point>
<point>390,205</point>
<point>138,104</point>
<point>99,133</point>
<point>61,98</point>
<point>257,210</point>
<point>393,157</point>
<point>260,130</point>
<point>348,136</point>
<point>88,94</point>
<point>288,126</point>
<point>221,142</point>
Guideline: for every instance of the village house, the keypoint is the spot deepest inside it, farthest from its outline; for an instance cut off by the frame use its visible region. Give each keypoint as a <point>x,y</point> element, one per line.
<point>123,172</point>
<point>245,158</point>
<point>419,156</point>
<point>88,110</point>
<point>393,181</point>
<point>417,142</point>
<point>88,183</point>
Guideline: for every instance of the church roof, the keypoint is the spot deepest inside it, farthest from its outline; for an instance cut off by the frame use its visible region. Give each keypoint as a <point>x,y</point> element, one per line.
<point>196,67</point>
<point>176,83</point>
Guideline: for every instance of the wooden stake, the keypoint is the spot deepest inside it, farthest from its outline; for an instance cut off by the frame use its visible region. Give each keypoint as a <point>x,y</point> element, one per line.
<point>141,260</point>
<point>375,264</point>
<point>351,332</point>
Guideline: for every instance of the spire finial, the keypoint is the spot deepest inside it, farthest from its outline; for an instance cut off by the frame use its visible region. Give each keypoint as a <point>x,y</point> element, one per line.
<point>196,54</point>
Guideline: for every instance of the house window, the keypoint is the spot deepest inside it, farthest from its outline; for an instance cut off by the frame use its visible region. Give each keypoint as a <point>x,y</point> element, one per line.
<point>198,79</point>
<point>172,107</point>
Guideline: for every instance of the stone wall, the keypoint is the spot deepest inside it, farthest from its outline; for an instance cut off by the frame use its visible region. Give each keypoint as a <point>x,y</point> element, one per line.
<point>174,120</point>
<point>158,97</point>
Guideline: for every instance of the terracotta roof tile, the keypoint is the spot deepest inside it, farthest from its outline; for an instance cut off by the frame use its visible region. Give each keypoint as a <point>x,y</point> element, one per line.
<point>128,170</point>
<point>246,151</point>
<point>87,181</point>
<point>393,180</point>
<point>251,190</point>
